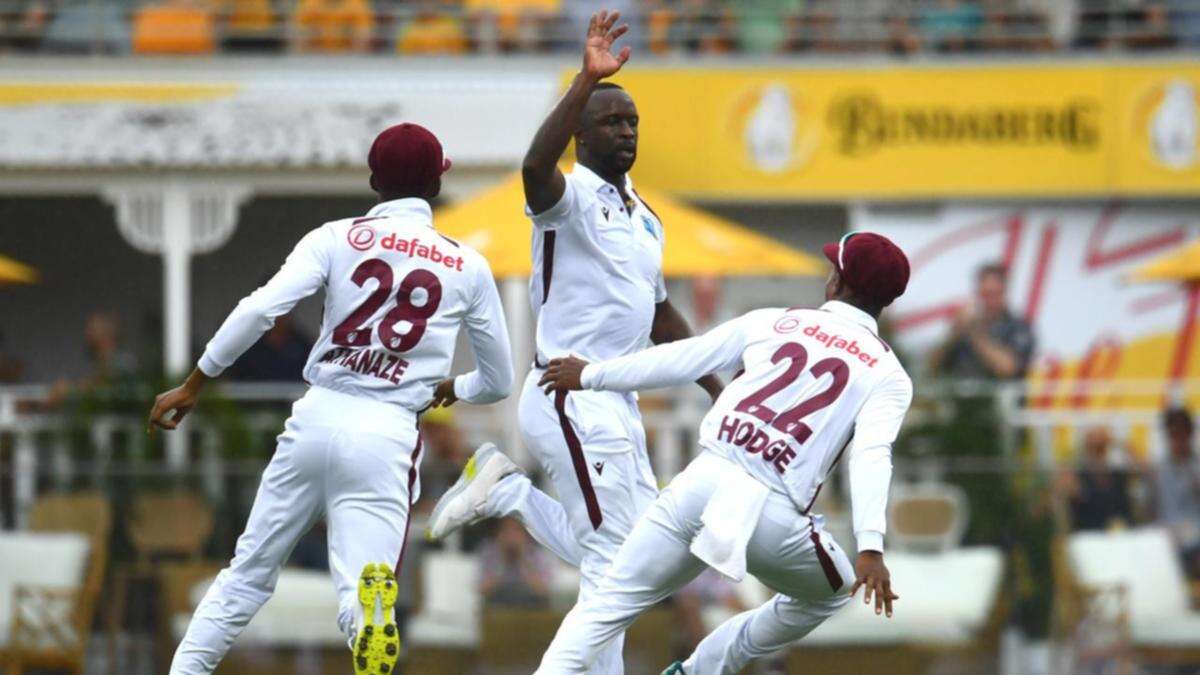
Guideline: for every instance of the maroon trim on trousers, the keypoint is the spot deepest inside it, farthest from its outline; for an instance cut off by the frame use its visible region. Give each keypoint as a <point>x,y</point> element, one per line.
<point>831,572</point>
<point>412,481</point>
<point>547,262</point>
<point>578,461</point>
<point>833,466</point>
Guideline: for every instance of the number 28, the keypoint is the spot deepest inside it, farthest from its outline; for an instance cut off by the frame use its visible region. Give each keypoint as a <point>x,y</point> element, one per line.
<point>352,332</point>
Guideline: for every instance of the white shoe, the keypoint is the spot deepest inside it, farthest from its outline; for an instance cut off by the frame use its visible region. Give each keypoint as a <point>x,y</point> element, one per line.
<point>463,503</point>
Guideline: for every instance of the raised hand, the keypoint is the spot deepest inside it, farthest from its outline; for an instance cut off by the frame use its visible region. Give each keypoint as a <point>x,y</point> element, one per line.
<point>598,59</point>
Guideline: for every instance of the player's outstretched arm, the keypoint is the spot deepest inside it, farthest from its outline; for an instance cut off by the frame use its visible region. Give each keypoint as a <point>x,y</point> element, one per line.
<point>663,365</point>
<point>544,183</point>
<point>870,465</point>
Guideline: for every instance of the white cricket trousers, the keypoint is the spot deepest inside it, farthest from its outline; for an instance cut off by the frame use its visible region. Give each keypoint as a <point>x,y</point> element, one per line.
<point>593,449</point>
<point>787,551</point>
<point>351,459</point>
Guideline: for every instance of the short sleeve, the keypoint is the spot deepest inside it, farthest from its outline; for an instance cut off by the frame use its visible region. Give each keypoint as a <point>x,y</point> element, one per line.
<point>563,212</point>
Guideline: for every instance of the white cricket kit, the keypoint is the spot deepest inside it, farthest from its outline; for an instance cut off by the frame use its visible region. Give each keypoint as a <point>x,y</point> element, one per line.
<point>596,280</point>
<point>396,295</point>
<point>816,384</point>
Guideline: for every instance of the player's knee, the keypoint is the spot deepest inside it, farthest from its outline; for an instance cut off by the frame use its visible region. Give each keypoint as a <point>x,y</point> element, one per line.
<point>243,593</point>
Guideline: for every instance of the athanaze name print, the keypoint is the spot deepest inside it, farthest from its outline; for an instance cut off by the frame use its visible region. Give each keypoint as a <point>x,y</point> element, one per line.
<point>367,362</point>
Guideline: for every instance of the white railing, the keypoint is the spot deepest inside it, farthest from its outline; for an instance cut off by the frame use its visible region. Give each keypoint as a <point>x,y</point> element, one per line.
<point>40,434</point>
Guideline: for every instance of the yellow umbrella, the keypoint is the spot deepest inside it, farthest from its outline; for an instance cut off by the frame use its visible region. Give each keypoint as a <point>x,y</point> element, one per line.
<point>698,243</point>
<point>13,272</point>
<point>1182,264</point>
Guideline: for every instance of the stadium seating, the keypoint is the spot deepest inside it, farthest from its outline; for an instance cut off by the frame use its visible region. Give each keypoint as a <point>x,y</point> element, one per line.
<point>300,614</point>
<point>1133,580</point>
<point>926,517</point>
<point>41,574</point>
<point>50,581</point>
<point>160,526</point>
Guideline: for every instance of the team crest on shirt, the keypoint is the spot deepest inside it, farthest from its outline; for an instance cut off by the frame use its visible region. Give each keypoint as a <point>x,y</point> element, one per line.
<point>649,225</point>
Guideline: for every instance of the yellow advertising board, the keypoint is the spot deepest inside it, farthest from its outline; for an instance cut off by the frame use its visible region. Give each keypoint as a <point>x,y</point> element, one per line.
<point>1065,130</point>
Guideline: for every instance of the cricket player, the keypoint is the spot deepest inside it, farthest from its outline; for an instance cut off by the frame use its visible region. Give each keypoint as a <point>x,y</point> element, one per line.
<point>597,291</point>
<point>396,295</point>
<point>815,384</point>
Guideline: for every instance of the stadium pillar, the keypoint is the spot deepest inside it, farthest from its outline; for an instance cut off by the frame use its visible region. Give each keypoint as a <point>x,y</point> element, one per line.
<point>516,302</point>
<point>176,218</point>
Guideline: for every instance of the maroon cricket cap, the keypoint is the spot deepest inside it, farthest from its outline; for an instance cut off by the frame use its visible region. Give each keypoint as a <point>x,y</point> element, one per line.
<point>871,265</point>
<point>405,158</point>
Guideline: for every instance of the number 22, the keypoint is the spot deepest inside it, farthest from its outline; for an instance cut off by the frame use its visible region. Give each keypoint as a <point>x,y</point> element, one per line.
<point>352,332</point>
<point>789,421</point>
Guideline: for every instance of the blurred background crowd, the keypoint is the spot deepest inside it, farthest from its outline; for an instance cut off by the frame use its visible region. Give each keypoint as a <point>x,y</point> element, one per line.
<point>757,27</point>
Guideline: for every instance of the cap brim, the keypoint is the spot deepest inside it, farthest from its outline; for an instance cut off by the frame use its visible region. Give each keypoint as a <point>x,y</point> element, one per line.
<point>831,251</point>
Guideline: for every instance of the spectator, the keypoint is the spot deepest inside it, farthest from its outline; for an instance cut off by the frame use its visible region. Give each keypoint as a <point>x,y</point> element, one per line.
<point>332,26</point>
<point>174,27</point>
<point>513,25</point>
<point>577,13</point>
<point>1097,493</point>
<point>11,367</point>
<point>987,341</point>
<point>278,356</point>
<point>1177,488</point>
<point>514,573</point>
<point>1061,20</point>
<point>23,24</point>
<point>821,27</point>
<point>250,26</point>
<point>110,362</point>
<point>901,39</point>
<point>1009,28</point>
<point>764,25</point>
<point>1184,18</point>
<point>432,30</point>
<point>1148,27</point>
<point>445,455</point>
<point>951,25</point>
<point>112,367</point>
<point>82,26</point>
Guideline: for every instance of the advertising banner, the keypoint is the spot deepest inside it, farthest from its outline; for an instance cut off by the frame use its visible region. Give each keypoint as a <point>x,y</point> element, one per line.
<point>1070,276</point>
<point>1033,130</point>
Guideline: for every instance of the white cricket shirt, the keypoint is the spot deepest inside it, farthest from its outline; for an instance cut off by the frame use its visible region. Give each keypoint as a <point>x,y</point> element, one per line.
<point>815,383</point>
<point>396,295</point>
<point>597,271</point>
